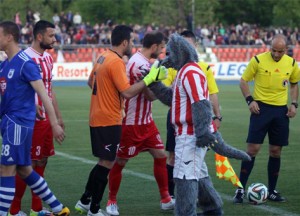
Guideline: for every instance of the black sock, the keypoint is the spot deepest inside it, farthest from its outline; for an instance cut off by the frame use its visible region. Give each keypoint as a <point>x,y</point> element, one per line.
<point>100,182</point>
<point>246,168</point>
<point>273,172</point>
<point>86,196</point>
<point>171,184</point>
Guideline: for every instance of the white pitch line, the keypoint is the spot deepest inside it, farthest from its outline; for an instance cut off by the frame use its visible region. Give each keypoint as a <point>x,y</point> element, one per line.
<point>269,209</point>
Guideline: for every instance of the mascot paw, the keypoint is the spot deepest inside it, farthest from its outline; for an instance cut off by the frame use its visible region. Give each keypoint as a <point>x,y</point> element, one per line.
<point>206,140</point>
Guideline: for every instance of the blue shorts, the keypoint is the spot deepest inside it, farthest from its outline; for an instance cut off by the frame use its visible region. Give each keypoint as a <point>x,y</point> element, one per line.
<point>170,144</point>
<point>16,143</point>
<point>272,120</point>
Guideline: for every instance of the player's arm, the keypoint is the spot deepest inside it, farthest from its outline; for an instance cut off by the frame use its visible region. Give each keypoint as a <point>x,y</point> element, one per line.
<point>213,96</point>
<point>90,80</point>
<point>149,95</point>
<point>216,109</point>
<point>58,132</point>
<point>57,111</point>
<point>294,94</point>
<point>252,104</point>
<point>156,73</point>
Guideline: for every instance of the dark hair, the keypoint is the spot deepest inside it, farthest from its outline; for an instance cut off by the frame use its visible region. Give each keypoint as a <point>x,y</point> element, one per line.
<point>41,26</point>
<point>119,34</point>
<point>154,37</point>
<point>12,28</point>
<point>188,34</point>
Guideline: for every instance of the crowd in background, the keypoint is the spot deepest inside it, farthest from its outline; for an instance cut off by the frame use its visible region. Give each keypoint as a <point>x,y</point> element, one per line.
<point>71,29</point>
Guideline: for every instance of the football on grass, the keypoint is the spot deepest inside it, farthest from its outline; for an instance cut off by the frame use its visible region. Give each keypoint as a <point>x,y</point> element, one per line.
<point>257,193</point>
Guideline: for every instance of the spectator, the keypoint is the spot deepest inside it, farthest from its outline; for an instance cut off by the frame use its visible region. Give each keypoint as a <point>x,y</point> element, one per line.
<point>77,19</point>
<point>56,18</point>
<point>36,16</point>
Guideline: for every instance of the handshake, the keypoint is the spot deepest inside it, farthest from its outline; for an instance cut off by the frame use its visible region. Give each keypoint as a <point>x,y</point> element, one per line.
<point>156,73</point>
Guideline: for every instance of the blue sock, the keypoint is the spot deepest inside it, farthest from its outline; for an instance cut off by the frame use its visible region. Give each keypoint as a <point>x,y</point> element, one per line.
<point>39,187</point>
<point>7,193</point>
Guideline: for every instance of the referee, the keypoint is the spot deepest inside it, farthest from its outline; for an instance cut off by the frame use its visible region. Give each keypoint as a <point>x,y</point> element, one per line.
<point>270,112</point>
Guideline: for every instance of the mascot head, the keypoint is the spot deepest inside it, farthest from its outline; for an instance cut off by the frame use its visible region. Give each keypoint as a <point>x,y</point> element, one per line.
<point>179,52</point>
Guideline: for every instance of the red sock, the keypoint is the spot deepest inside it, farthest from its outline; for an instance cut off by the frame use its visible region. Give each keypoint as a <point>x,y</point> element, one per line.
<point>20,190</point>
<point>114,181</point>
<point>161,176</point>
<point>36,202</point>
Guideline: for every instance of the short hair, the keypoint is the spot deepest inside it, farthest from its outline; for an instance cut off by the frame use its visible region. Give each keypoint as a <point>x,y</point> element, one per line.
<point>188,34</point>
<point>279,37</point>
<point>41,26</point>
<point>12,28</point>
<point>119,34</point>
<point>154,37</point>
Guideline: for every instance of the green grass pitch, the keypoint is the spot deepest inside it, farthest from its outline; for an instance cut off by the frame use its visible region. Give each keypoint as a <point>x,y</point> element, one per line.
<point>67,172</point>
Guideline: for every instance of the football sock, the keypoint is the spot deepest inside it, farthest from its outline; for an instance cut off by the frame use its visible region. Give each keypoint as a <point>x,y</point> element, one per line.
<point>7,192</point>
<point>20,190</point>
<point>115,178</point>
<point>246,168</point>
<point>40,187</point>
<point>161,176</point>
<point>36,202</point>
<point>86,196</point>
<point>100,182</point>
<point>273,172</point>
<point>171,184</point>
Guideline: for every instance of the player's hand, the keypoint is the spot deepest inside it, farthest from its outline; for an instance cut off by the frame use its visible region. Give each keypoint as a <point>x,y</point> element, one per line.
<point>292,111</point>
<point>217,123</point>
<point>156,73</point>
<point>61,123</point>
<point>39,112</point>
<point>206,140</point>
<point>253,107</point>
<point>58,133</point>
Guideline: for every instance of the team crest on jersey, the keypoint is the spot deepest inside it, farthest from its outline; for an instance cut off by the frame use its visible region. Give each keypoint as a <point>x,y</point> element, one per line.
<point>285,83</point>
<point>2,85</point>
<point>10,73</point>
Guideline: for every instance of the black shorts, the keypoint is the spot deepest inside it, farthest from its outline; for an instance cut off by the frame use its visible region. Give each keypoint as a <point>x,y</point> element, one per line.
<point>105,141</point>
<point>170,144</point>
<point>272,120</point>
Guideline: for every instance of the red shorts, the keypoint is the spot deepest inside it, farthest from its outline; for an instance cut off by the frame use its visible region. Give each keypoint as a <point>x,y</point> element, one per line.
<point>42,140</point>
<point>138,138</point>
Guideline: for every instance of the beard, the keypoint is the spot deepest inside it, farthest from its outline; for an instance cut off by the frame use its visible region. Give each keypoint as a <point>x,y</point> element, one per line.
<point>46,46</point>
<point>154,55</point>
<point>128,51</point>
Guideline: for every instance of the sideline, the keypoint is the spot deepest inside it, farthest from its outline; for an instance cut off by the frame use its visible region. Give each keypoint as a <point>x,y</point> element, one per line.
<point>270,209</point>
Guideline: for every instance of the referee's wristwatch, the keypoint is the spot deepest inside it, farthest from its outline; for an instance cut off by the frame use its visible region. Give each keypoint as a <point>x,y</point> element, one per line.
<point>218,117</point>
<point>295,104</point>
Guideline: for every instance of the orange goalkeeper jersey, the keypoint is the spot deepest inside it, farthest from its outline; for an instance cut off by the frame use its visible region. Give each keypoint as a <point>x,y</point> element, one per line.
<point>109,79</point>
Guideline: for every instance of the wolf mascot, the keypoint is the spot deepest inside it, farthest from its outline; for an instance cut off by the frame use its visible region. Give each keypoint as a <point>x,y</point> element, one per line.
<point>179,53</point>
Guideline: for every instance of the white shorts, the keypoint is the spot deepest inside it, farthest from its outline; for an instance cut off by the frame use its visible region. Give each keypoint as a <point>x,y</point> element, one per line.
<point>188,158</point>
<point>204,170</point>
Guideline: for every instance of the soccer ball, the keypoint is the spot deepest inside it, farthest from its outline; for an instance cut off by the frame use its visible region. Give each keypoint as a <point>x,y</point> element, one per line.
<point>257,193</point>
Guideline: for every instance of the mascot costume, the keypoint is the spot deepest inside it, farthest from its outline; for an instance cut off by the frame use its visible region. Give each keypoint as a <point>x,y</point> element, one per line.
<point>179,54</point>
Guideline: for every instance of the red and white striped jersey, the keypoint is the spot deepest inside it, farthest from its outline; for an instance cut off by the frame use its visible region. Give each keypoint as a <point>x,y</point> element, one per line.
<point>45,63</point>
<point>190,86</point>
<point>138,110</point>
